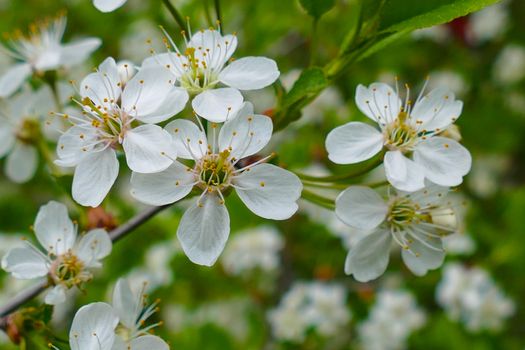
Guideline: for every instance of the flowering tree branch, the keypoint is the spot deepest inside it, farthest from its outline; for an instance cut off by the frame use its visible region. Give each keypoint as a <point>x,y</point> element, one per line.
<point>115,235</point>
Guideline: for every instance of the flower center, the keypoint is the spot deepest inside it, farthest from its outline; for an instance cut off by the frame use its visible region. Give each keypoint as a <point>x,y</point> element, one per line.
<point>403,212</point>
<point>399,135</point>
<point>68,270</point>
<point>198,75</point>
<point>111,125</point>
<point>28,131</point>
<point>215,170</point>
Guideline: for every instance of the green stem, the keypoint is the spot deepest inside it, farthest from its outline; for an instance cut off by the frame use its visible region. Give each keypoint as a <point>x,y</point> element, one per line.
<point>218,12</point>
<point>377,184</point>
<point>347,176</point>
<point>313,43</point>
<point>177,17</point>
<point>318,199</point>
<point>325,185</point>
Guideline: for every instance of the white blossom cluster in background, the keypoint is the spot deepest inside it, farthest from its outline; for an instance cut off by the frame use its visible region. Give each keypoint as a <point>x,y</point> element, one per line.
<point>393,317</point>
<point>469,295</point>
<point>310,305</point>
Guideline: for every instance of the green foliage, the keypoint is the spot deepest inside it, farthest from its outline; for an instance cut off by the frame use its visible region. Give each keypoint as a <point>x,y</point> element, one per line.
<point>317,8</point>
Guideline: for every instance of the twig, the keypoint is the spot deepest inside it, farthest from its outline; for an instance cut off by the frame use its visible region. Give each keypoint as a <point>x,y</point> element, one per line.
<point>115,235</point>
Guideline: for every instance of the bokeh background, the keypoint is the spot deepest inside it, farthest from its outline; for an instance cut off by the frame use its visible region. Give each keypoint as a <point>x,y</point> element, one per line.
<point>281,285</point>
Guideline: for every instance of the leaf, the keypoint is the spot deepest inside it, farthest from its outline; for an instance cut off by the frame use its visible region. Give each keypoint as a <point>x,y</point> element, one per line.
<point>317,8</point>
<point>397,15</point>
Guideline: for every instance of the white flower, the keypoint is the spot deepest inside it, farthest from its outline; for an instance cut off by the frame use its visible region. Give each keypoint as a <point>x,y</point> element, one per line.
<point>509,67</point>
<point>93,328</point>
<point>415,150</point>
<point>108,123</point>
<point>459,244</point>
<point>489,23</point>
<point>416,221</point>
<point>69,258</point>
<point>108,5</point>
<point>253,248</point>
<point>313,305</point>
<point>21,130</point>
<point>205,63</point>
<point>471,296</point>
<point>267,190</point>
<point>42,51</point>
<point>391,320</point>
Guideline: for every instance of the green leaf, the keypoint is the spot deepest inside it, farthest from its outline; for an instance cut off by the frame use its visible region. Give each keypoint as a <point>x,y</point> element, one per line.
<point>311,81</point>
<point>317,8</point>
<point>397,15</point>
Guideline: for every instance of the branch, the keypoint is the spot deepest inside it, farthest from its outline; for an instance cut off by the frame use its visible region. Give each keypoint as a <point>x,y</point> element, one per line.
<point>115,235</point>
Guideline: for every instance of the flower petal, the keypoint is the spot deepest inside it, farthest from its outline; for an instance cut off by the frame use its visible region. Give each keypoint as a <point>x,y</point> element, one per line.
<point>168,60</point>
<point>444,160</point>
<point>94,176</point>
<point>250,73</point>
<point>25,263</point>
<point>54,229</point>
<point>174,102</point>
<point>74,144</point>
<point>56,296</point>
<point>269,191</point>
<point>103,86</point>
<point>361,207</point>
<point>246,133</point>
<point>13,78</point>
<point>148,342</point>
<point>93,327</point>
<point>378,102</point>
<point>7,139</point>
<point>437,110</point>
<point>204,229</point>
<point>368,259</point>
<point>108,5</point>
<point>78,51</point>
<point>93,247</point>
<point>403,173</point>
<point>353,143</point>
<point>164,187</point>
<point>213,48</point>
<point>420,258</point>
<point>148,149</point>
<point>147,91</point>
<point>217,105</point>
<point>125,303</point>
<point>21,163</point>
<point>189,141</point>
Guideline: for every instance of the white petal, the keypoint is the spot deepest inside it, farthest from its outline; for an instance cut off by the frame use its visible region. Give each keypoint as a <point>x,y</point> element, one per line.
<point>13,78</point>
<point>74,144</point>
<point>437,110</point>
<point>378,102</point>
<point>25,263</point>
<point>246,133</point>
<point>93,247</point>
<point>217,105</point>
<point>213,48</point>
<point>403,173</point>
<point>420,258</point>
<point>189,141</point>
<point>78,51</point>
<point>108,5</point>
<point>250,73</point>
<point>102,87</point>
<point>93,327</point>
<point>148,342</point>
<point>56,296</point>
<point>269,191</point>
<point>54,229</point>
<point>48,59</point>
<point>125,303</point>
<point>368,259</point>
<point>353,143</point>
<point>445,160</point>
<point>204,229</point>
<point>147,91</point>
<point>21,163</point>
<point>361,207</point>
<point>172,105</point>
<point>148,149</point>
<point>94,177</point>
<point>7,139</point>
<point>169,60</point>
<point>162,188</point>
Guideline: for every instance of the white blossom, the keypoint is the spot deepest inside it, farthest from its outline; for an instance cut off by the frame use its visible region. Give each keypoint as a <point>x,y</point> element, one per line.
<point>509,67</point>
<point>107,124</point>
<point>471,296</point>
<point>314,305</point>
<point>489,23</point>
<point>267,190</point>
<point>416,221</point>
<point>254,248</point>
<point>40,51</point>
<point>69,259</point>
<point>205,64</point>
<point>411,134</point>
<point>108,5</point>
<point>394,316</point>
